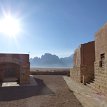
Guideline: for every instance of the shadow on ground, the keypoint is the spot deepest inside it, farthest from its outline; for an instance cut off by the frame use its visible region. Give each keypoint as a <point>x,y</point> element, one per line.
<point>20,92</point>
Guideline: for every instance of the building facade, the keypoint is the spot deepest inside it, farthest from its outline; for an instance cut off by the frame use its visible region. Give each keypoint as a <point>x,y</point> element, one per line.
<point>100,82</point>
<point>84,57</point>
<point>14,67</point>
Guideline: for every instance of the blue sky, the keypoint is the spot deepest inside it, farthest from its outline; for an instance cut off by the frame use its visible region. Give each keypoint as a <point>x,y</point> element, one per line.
<point>52,26</point>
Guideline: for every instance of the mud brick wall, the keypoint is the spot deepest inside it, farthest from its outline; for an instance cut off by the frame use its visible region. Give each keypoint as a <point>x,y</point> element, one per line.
<point>84,57</point>
<point>19,63</point>
<point>87,61</point>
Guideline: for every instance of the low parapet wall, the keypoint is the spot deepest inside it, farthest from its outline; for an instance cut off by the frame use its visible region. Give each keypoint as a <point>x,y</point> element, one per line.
<point>50,71</point>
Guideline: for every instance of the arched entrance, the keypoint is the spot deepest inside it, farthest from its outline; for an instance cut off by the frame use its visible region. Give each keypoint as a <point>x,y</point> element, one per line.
<point>9,72</point>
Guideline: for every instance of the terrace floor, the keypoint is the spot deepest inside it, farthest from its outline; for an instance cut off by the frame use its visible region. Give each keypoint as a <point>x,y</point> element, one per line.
<point>87,96</point>
<point>50,91</point>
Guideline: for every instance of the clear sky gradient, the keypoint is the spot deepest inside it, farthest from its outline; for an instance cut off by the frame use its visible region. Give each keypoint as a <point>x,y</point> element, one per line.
<point>52,26</point>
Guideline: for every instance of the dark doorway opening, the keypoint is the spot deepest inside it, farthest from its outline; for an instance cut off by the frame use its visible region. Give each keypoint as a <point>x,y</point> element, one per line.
<point>10,72</point>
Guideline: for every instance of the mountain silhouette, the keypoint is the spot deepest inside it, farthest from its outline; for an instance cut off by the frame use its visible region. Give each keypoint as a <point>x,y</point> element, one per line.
<point>49,60</point>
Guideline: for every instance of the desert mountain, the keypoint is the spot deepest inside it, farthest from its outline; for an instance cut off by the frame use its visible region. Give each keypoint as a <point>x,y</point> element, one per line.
<point>49,60</point>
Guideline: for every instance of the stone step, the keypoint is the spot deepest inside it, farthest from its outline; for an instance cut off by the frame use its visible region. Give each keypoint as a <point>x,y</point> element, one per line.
<point>11,79</point>
<point>8,84</point>
<point>94,86</point>
<point>89,85</point>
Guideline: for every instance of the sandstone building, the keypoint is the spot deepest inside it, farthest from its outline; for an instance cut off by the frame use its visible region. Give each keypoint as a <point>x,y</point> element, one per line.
<point>100,82</point>
<point>84,57</point>
<point>14,67</point>
<point>90,62</point>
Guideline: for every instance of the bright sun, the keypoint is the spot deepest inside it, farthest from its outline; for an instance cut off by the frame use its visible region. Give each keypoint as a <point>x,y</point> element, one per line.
<point>9,26</point>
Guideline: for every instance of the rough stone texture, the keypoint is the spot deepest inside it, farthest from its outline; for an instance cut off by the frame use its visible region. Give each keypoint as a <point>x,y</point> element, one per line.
<point>87,96</point>
<point>75,71</point>
<point>77,57</point>
<point>84,57</point>
<point>75,74</point>
<point>14,66</point>
<point>100,83</point>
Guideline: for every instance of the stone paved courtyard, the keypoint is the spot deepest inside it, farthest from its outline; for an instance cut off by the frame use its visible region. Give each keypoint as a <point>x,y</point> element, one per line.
<point>50,91</point>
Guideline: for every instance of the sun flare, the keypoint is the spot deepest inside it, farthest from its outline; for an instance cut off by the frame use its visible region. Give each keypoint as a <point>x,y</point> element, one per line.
<point>9,26</point>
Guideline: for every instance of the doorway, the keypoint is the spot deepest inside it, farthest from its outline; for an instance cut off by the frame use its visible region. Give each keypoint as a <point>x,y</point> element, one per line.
<point>10,72</point>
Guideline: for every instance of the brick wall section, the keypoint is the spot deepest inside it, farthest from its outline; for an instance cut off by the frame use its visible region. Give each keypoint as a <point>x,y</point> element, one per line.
<point>87,61</point>
<point>18,63</point>
<point>100,83</point>
<point>84,57</point>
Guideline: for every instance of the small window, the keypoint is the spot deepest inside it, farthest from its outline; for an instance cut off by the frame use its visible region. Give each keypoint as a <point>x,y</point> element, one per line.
<point>102,58</point>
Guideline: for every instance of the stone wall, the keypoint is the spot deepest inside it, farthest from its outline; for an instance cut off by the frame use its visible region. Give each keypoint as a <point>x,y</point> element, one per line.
<point>100,83</point>
<point>77,57</point>
<point>90,62</point>
<point>15,66</point>
<point>75,74</point>
<point>75,71</point>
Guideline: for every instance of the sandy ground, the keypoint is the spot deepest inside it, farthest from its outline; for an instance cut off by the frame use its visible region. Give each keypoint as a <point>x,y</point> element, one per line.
<point>51,91</point>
